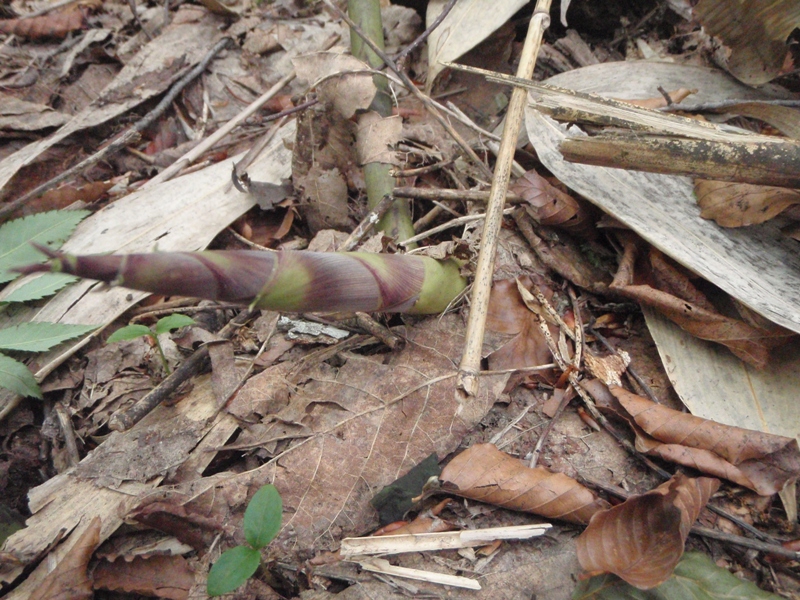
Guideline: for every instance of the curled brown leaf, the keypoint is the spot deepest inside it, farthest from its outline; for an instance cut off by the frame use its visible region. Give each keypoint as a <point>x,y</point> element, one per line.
<point>759,461</point>
<point>686,306</point>
<point>484,473</point>
<point>550,206</point>
<point>642,539</point>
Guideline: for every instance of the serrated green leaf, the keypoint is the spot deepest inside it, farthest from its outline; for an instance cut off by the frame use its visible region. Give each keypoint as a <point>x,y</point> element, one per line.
<point>172,322</point>
<point>129,332</point>
<point>18,378</point>
<point>50,228</point>
<point>262,518</point>
<point>38,337</point>
<point>41,287</point>
<point>695,578</point>
<point>232,569</point>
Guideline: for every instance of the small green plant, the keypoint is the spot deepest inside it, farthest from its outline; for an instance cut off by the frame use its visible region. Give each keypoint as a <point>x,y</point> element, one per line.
<point>262,522</point>
<point>164,325</point>
<point>50,229</point>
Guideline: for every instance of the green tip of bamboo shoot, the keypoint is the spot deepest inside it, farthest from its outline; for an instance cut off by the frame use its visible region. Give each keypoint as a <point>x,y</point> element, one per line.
<point>283,281</point>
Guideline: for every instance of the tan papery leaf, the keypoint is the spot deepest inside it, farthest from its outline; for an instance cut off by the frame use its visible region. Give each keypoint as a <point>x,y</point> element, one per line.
<point>550,206</point>
<point>642,539</point>
<point>484,473</point>
<point>740,204</point>
<point>55,24</point>
<point>759,461</point>
<point>508,314</point>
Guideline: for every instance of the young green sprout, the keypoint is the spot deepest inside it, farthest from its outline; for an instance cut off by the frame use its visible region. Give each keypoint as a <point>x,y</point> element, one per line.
<point>262,522</point>
<point>164,325</point>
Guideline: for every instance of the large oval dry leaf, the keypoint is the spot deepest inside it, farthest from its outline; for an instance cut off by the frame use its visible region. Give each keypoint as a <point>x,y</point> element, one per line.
<point>740,204</point>
<point>759,461</point>
<point>484,473</point>
<point>509,315</point>
<point>642,539</point>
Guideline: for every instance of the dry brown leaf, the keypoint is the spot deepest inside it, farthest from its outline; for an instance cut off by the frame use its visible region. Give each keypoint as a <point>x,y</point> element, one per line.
<point>642,539</point>
<point>509,315</point>
<point>64,196</point>
<point>486,474</point>
<point>341,80</point>
<point>759,461</point>
<point>68,580</point>
<point>740,204</point>
<point>688,307</point>
<point>160,576</point>
<point>550,206</point>
<point>749,343</point>
<point>55,24</point>
<point>352,425</point>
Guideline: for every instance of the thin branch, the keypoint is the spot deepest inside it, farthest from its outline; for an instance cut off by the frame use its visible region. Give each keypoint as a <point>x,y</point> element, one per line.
<point>479,304</point>
<point>424,36</point>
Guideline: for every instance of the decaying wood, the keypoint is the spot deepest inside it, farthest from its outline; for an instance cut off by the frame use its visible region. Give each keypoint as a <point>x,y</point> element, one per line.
<point>447,540</point>
<point>64,506</point>
<point>767,163</point>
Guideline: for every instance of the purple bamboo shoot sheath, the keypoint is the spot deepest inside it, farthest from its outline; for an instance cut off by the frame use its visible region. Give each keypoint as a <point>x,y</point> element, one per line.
<point>283,281</point>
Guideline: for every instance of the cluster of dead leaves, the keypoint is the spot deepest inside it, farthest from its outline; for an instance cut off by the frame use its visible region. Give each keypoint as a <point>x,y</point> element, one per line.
<point>640,540</point>
<point>670,291</point>
<point>56,24</point>
<point>761,462</point>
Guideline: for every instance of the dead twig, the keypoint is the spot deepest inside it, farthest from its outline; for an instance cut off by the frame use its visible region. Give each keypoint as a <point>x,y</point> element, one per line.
<point>367,223</point>
<point>479,304</point>
<point>445,195</point>
<point>424,35</point>
<point>457,222</point>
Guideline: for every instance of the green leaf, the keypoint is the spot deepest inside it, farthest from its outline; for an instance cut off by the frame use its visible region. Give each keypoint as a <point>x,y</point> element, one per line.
<point>695,578</point>
<point>172,322</point>
<point>18,378</point>
<point>41,287</point>
<point>262,519</point>
<point>232,569</point>
<point>38,337</point>
<point>129,332</point>
<point>50,229</point>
